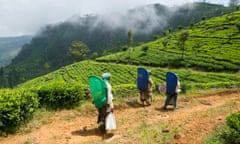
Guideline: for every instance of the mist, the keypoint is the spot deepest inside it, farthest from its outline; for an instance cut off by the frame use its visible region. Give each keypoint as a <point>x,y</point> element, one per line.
<point>140,20</point>
<point>26,17</point>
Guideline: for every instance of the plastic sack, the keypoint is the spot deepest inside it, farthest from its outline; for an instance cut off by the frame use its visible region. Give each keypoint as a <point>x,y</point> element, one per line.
<point>110,122</point>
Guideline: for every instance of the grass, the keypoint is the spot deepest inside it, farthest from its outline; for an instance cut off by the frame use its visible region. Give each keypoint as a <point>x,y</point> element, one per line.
<point>30,141</point>
<point>85,108</point>
<point>214,138</point>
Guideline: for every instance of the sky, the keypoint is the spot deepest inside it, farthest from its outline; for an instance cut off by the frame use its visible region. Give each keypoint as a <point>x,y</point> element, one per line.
<point>26,17</point>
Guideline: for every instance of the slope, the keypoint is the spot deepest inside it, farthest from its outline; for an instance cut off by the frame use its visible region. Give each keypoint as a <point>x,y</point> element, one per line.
<point>48,50</point>
<point>124,77</point>
<point>211,45</point>
<point>10,46</point>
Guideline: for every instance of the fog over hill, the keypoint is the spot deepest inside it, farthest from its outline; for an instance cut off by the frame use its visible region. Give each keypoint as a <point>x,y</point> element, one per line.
<point>23,17</point>
<point>10,46</point>
<point>103,34</point>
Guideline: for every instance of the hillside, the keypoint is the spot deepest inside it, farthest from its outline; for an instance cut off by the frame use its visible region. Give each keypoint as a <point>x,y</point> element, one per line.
<point>124,77</point>
<point>48,50</point>
<point>48,104</point>
<point>10,46</point>
<point>211,45</point>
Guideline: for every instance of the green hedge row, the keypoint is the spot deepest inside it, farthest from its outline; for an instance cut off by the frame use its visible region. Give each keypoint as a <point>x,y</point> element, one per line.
<point>124,91</point>
<point>57,95</point>
<point>16,106</point>
<point>212,85</point>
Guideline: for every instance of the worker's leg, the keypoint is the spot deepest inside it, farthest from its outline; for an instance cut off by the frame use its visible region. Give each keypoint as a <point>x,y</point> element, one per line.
<point>168,98</point>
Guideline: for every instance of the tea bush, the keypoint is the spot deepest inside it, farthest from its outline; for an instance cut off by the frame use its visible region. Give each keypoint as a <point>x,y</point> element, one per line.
<point>124,91</point>
<point>231,134</point>
<point>16,106</point>
<point>60,94</point>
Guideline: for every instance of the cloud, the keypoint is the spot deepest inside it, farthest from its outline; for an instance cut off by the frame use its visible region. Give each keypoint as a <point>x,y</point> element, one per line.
<point>141,20</point>
<point>18,17</point>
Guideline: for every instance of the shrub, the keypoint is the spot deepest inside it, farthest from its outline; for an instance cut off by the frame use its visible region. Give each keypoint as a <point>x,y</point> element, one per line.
<point>58,95</point>
<point>233,121</point>
<point>125,90</point>
<point>145,48</point>
<point>16,106</point>
<point>231,134</point>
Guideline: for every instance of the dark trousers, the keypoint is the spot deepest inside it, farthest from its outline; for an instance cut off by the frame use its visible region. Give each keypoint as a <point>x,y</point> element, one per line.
<point>171,98</point>
<point>102,114</point>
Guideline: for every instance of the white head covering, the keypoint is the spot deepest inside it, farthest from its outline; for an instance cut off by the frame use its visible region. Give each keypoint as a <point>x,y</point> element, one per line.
<point>106,75</point>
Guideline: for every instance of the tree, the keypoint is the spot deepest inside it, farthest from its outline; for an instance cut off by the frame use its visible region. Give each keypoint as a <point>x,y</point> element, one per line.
<point>182,39</point>
<point>94,55</point>
<point>46,65</point>
<point>130,42</point>
<point>78,50</point>
<point>233,4</point>
<point>203,18</point>
<point>130,38</point>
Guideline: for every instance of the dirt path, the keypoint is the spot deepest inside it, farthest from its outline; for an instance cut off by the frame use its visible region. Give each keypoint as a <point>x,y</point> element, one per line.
<point>192,122</point>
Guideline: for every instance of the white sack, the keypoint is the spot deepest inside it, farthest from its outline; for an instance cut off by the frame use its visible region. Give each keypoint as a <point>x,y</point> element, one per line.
<point>110,122</point>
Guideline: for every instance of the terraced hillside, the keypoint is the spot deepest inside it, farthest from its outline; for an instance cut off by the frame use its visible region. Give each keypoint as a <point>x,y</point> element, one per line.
<point>124,76</point>
<point>211,45</point>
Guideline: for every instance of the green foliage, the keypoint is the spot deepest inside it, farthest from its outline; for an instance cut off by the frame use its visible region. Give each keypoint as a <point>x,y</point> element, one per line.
<point>46,65</point>
<point>231,134</point>
<point>203,18</point>
<point>209,46</point>
<point>124,77</point>
<point>130,38</point>
<point>78,50</point>
<point>52,44</point>
<point>125,90</point>
<point>94,55</point>
<point>233,121</point>
<point>238,27</point>
<point>145,48</point>
<point>16,106</point>
<point>57,95</point>
<point>233,4</point>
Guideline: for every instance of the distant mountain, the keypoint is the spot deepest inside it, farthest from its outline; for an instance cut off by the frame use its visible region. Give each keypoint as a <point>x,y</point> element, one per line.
<point>102,34</point>
<point>10,46</point>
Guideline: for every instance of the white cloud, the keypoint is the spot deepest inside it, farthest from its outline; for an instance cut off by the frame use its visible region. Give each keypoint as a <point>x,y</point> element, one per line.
<point>18,17</point>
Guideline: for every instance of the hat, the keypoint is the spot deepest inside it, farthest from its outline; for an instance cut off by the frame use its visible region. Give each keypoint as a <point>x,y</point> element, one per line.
<point>106,75</point>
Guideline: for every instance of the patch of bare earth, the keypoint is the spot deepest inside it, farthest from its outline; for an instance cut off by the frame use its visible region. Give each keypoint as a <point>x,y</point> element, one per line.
<point>195,118</point>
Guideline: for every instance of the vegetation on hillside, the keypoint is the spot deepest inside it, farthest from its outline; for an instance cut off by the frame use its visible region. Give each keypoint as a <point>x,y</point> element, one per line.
<point>211,45</point>
<point>48,50</point>
<point>229,133</point>
<point>16,107</point>
<point>125,76</point>
<point>65,88</point>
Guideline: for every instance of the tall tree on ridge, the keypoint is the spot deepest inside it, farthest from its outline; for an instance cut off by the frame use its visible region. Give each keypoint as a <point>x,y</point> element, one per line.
<point>182,39</point>
<point>233,4</point>
<point>78,50</point>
